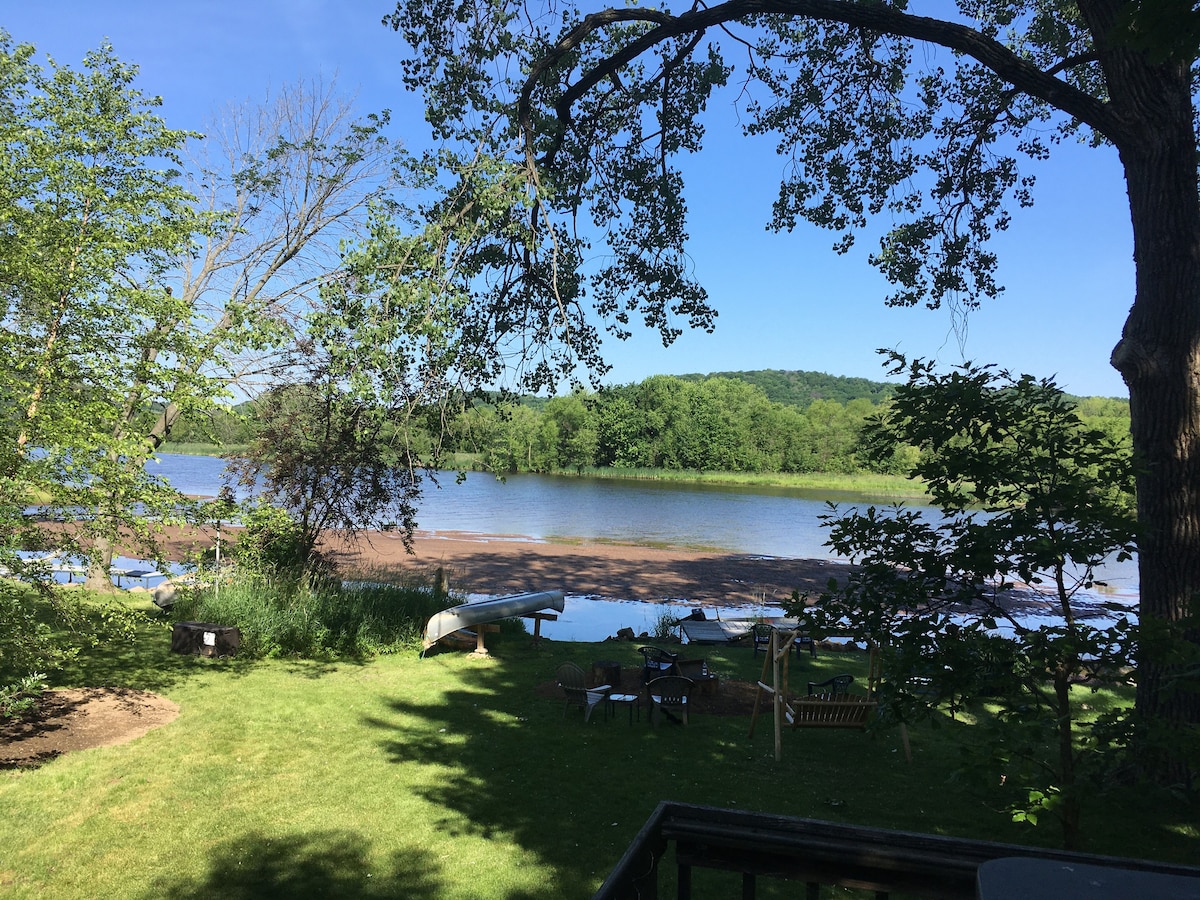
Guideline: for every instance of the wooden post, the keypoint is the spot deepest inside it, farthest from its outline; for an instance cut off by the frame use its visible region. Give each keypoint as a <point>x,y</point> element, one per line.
<point>480,630</point>
<point>781,654</point>
<point>777,659</point>
<point>538,617</point>
<point>762,678</point>
<point>771,649</point>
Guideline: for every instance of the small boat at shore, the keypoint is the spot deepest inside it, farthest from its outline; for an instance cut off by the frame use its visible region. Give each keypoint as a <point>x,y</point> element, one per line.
<point>462,617</point>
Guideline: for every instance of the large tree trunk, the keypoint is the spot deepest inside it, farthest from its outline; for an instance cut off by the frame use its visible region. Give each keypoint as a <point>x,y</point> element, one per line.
<point>1159,358</point>
<point>99,566</point>
<point>103,548</point>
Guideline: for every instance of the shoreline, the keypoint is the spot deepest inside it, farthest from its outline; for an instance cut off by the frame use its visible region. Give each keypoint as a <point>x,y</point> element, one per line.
<point>859,485</point>
<point>500,564</point>
<point>496,564</point>
<point>475,563</point>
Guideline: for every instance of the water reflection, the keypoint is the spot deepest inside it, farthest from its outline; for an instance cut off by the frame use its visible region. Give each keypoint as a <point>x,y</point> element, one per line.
<point>591,619</point>
<point>769,521</point>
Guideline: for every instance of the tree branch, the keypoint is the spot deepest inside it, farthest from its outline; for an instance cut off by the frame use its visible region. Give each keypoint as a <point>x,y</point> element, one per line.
<point>988,52</point>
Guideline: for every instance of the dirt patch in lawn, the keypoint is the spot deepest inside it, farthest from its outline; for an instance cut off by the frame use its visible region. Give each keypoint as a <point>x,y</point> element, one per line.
<point>79,719</point>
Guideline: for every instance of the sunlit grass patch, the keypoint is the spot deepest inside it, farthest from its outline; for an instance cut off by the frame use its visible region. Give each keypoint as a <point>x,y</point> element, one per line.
<point>452,777</point>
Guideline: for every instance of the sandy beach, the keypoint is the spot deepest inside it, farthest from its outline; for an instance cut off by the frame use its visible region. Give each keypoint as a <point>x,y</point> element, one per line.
<point>503,564</point>
<point>510,564</point>
<point>499,564</point>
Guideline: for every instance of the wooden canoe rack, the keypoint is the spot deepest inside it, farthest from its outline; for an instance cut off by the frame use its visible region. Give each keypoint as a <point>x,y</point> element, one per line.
<point>470,637</point>
<point>538,619</point>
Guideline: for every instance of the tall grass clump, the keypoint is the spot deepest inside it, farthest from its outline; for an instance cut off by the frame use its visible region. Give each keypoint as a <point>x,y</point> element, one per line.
<point>664,626</point>
<point>288,600</point>
<point>315,618</point>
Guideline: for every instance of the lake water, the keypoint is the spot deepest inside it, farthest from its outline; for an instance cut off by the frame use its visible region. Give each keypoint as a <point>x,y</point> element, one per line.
<point>773,522</point>
<point>768,521</point>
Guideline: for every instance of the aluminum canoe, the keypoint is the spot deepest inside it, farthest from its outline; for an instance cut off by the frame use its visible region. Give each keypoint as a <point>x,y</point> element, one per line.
<point>455,618</point>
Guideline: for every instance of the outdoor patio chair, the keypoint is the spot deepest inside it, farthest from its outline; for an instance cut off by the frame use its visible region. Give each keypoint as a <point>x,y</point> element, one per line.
<point>804,641</point>
<point>761,635</point>
<point>838,684</point>
<point>656,662</point>
<point>668,697</point>
<point>571,680</point>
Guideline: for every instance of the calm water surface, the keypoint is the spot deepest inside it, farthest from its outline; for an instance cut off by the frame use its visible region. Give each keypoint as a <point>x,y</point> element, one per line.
<point>773,522</point>
<point>767,521</point>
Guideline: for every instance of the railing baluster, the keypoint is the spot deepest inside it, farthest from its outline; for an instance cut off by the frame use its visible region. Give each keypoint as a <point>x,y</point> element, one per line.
<point>685,882</point>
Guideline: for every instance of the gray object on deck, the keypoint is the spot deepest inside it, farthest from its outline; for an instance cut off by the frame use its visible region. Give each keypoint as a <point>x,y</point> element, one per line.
<point>455,618</point>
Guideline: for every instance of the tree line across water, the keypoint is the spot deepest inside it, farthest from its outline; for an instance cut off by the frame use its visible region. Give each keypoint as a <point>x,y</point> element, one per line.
<point>766,421</point>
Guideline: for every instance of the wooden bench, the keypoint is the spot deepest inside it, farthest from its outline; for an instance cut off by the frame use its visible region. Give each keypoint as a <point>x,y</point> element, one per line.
<point>831,711</point>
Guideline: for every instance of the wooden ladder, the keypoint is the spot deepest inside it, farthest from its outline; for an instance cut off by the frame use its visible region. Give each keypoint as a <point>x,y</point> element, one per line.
<point>777,690</point>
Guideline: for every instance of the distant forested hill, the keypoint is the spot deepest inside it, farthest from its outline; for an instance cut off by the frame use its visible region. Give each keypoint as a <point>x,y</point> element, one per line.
<point>800,389</point>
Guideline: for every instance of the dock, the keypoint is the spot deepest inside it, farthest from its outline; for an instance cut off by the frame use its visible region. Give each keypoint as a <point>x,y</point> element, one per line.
<point>727,631</point>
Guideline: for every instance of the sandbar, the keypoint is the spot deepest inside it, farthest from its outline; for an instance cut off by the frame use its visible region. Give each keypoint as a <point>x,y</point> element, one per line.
<point>506,564</point>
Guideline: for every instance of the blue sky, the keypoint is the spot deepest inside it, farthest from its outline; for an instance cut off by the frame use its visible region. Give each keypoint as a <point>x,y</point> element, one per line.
<point>785,301</point>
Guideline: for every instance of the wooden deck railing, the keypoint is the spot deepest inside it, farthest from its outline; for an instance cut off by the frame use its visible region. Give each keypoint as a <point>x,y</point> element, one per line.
<point>818,853</point>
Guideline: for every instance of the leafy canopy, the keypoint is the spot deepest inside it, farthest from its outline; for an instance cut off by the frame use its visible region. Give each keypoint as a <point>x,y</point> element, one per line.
<point>91,216</point>
<point>596,112</point>
<point>1030,498</point>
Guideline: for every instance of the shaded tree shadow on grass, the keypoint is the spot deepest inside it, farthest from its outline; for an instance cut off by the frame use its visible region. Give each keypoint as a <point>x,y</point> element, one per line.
<point>146,663</point>
<point>315,866</point>
<point>569,793</point>
<point>573,794</point>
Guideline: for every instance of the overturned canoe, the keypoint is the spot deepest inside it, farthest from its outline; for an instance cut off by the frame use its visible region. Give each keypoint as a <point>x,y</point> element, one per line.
<point>455,618</point>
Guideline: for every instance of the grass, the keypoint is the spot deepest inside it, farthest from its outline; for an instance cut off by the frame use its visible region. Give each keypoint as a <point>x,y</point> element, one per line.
<point>853,486</point>
<point>195,449</point>
<point>449,777</point>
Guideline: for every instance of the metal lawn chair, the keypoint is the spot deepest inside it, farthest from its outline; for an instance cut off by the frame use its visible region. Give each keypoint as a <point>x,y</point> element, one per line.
<point>838,684</point>
<point>761,635</point>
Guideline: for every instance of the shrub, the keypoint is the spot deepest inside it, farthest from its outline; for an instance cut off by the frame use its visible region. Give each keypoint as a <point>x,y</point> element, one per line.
<point>272,542</point>
<point>43,627</point>
<point>22,696</point>
<point>284,617</point>
<point>664,626</point>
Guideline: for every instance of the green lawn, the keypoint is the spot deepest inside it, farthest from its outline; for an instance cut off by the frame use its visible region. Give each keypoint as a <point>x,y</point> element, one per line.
<point>448,777</point>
